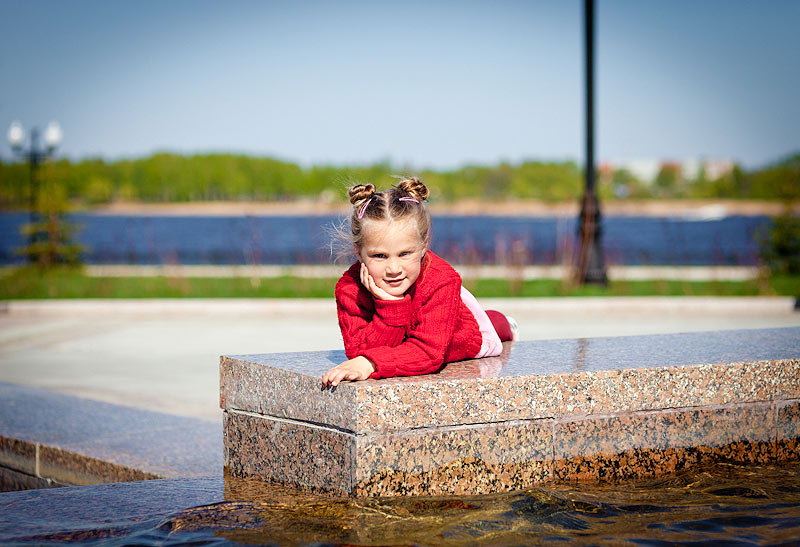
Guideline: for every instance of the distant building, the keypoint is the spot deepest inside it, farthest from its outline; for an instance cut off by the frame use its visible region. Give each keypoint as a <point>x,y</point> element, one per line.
<point>644,169</point>
<point>718,168</point>
<point>647,169</point>
<point>605,173</point>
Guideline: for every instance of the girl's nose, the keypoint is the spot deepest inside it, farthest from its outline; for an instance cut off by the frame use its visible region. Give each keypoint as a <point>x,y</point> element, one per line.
<point>393,267</point>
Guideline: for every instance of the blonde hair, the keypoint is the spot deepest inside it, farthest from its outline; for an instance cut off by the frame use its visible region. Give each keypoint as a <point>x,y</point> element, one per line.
<point>405,200</point>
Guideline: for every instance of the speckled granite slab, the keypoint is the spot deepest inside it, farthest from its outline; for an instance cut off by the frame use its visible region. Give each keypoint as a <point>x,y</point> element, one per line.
<point>584,409</point>
<point>50,439</point>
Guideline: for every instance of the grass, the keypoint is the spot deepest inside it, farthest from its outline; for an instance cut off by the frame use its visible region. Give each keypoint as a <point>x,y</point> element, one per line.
<point>26,283</point>
<point>783,286</point>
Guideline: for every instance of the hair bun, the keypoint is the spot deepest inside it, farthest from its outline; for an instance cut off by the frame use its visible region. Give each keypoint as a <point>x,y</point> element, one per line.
<point>414,188</point>
<point>360,193</point>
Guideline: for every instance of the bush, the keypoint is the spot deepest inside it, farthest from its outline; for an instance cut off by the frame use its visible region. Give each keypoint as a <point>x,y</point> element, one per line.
<point>780,249</point>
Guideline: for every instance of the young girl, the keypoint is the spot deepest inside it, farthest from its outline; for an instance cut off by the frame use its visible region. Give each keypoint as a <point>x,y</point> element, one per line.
<point>402,309</point>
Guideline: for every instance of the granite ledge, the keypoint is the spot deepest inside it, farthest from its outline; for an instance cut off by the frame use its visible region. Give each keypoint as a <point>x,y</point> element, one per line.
<point>530,380</point>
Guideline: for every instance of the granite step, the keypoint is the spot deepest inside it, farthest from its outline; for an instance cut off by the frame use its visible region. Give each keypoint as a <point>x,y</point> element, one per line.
<point>50,439</point>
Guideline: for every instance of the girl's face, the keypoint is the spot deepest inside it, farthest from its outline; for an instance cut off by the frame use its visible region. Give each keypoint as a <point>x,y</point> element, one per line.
<point>392,252</point>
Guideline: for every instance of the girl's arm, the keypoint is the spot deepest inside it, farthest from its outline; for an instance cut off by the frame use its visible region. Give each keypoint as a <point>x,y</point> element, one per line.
<point>425,344</point>
<point>367,322</point>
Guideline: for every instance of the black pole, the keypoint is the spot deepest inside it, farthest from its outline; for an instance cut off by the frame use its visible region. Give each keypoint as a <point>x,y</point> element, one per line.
<point>590,267</point>
<point>588,21</point>
<point>33,161</point>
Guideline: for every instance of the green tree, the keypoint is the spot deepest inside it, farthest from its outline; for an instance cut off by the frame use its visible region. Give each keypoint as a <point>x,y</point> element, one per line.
<point>780,249</point>
<point>668,180</point>
<point>50,236</point>
<point>626,184</point>
<point>165,177</point>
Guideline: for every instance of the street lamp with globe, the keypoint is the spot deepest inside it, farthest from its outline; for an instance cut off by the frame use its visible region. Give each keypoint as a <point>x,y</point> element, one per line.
<point>35,154</point>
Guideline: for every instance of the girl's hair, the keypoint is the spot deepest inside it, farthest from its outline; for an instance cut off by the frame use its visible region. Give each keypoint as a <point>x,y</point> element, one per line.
<point>405,200</point>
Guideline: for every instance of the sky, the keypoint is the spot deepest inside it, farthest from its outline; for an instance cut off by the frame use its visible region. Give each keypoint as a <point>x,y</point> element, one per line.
<point>428,84</point>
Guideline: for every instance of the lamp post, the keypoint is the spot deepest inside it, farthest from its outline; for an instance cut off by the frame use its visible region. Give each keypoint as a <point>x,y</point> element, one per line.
<point>590,267</point>
<point>34,155</point>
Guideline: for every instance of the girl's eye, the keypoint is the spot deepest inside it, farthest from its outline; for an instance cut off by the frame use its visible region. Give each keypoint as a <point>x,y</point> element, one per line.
<point>379,255</point>
<point>405,253</point>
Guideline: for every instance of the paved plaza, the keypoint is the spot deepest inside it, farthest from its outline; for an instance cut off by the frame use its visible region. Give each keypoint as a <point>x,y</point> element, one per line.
<point>164,354</point>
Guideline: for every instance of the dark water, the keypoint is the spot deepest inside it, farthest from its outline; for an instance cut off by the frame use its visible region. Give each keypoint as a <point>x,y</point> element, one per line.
<point>121,239</point>
<point>722,505</point>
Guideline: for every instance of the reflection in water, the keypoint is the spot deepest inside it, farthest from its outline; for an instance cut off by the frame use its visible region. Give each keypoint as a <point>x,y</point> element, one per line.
<point>722,504</point>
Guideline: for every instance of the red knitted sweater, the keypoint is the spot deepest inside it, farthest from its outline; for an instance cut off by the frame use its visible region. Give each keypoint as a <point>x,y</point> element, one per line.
<point>428,327</point>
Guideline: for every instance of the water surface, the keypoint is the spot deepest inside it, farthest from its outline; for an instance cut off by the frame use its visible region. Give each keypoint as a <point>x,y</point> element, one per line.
<point>720,505</point>
<point>473,239</point>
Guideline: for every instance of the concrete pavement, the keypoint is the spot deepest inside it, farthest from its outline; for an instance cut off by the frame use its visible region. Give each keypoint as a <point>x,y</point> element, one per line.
<point>163,354</point>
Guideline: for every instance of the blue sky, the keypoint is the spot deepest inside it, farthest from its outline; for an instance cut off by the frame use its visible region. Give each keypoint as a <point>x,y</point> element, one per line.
<point>425,84</point>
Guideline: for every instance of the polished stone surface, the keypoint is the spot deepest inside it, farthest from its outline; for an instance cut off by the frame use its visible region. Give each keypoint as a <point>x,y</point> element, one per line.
<point>585,354</point>
<point>530,380</point>
<point>566,410</point>
<point>77,441</point>
<point>319,458</point>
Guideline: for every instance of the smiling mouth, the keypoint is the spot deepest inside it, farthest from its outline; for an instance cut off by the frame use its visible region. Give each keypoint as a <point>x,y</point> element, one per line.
<point>395,283</point>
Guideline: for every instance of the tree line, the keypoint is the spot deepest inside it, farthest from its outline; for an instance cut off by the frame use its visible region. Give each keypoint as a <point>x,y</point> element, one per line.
<point>166,177</point>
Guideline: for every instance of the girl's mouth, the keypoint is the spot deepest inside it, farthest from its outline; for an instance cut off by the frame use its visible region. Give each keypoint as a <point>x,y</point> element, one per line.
<point>395,283</point>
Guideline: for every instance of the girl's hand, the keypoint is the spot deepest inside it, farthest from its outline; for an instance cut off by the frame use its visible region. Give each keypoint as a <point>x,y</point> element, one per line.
<point>368,281</point>
<point>357,368</point>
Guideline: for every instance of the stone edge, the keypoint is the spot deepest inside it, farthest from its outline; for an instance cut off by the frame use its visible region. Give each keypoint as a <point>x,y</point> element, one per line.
<point>40,466</point>
<point>362,408</point>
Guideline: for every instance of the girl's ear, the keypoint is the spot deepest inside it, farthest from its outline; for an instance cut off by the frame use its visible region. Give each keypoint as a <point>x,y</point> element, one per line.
<point>358,252</point>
